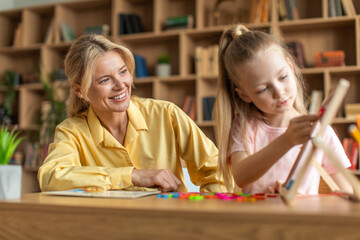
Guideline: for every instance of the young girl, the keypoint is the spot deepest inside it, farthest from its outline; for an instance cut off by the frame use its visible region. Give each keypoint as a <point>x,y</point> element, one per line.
<point>262,92</point>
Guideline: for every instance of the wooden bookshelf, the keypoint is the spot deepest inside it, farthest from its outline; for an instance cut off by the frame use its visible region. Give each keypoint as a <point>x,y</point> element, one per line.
<point>315,29</point>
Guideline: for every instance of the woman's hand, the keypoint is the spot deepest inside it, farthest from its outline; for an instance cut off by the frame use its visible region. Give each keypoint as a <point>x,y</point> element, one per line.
<point>300,128</point>
<point>164,179</point>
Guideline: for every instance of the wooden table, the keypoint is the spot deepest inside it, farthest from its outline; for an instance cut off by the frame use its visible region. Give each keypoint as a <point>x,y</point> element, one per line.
<point>37,216</point>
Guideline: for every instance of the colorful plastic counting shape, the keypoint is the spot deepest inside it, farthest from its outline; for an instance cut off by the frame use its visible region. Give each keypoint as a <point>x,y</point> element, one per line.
<point>239,197</point>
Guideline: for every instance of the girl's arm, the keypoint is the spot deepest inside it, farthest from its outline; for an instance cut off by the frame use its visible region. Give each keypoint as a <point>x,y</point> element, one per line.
<point>248,168</point>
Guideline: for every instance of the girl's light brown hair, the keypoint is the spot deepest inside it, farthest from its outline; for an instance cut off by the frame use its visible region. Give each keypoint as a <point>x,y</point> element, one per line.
<point>237,47</point>
<point>80,63</point>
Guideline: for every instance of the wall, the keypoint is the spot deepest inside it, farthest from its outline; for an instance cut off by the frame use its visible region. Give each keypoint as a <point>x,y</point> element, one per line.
<point>9,4</point>
<point>6,4</point>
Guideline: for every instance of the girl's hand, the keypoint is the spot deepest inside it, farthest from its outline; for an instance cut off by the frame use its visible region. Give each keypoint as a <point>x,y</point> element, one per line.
<point>300,129</point>
<point>164,179</point>
<point>277,188</point>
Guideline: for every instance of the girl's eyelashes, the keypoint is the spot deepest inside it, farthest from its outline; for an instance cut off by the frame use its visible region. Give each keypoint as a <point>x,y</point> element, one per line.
<point>282,77</point>
<point>262,90</point>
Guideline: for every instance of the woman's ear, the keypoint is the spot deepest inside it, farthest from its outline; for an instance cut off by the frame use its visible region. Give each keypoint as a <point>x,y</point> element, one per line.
<point>242,95</point>
<point>77,90</point>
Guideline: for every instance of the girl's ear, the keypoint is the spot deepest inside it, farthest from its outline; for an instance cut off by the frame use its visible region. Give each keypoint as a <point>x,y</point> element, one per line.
<point>77,90</point>
<point>242,95</point>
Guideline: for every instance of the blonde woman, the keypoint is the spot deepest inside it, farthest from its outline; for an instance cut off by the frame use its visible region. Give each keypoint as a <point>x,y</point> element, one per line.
<point>112,140</point>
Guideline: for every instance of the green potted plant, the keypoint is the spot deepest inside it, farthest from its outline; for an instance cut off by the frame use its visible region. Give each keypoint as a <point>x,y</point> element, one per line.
<point>10,80</point>
<point>163,67</point>
<point>57,93</point>
<point>53,109</point>
<point>10,175</point>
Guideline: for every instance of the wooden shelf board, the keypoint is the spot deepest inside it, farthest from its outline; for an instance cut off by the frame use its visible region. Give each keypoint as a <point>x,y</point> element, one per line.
<point>175,79</point>
<point>315,23</point>
<point>84,5</point>
<point>27,49</point>
<point>343,121</point>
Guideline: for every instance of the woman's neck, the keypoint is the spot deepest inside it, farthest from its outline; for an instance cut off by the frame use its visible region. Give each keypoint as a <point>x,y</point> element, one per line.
<point>116,124</point>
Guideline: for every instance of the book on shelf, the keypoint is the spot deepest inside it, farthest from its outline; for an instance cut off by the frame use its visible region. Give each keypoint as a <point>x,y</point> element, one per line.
<point>103,29</point>
<point>212,62</point>
<point>292,9</point>
<point>198,60</point>
<point>129,23</point>
<point>29,77</point>
<point>265,11</point>
<point>329,58</point>
<point>189,106</point>
<point>67,32</point>
<point>296,49</point>
<point>259,11</point>
<point>338,8</point>
<point>31,155</point>
<point>206,60</point>
<point>352,110</point>
<point>208,106</point>
<point>349,8</point>
<point>49,37</point>
<point>178,22</point>
<point>335,8</point>
<point>18,35</point>
<point>140,66</point>
<point>283,15</point>
<point>332,8</point>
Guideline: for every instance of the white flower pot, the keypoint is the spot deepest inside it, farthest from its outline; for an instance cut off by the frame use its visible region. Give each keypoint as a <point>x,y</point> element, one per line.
<point>163,70</point>
<point>10,181</point>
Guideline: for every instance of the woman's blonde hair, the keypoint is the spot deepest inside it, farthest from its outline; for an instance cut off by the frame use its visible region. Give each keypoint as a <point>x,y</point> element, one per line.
<point>237,47</point>
<point>80,63</point>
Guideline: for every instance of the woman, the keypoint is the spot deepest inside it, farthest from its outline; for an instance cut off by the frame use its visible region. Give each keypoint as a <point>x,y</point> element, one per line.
<point>112,140</point>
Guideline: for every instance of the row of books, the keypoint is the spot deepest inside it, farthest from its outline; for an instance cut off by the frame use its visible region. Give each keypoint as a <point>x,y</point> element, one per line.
<point>321,59</point>
<point>259,11</point>
<point>34,155</point>
<point>351,144</point>
<point>341,8</point>
<point>351,148</point>
<point>288,10</point>
<point>129,23</point>
<point>206,60</point>
<point>296,49</point>
<point>67,32</point>
<point>335,8</point>
<point>189,107</point>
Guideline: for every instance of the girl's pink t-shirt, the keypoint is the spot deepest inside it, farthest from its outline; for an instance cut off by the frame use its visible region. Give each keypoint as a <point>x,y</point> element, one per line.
<point>260,135</point>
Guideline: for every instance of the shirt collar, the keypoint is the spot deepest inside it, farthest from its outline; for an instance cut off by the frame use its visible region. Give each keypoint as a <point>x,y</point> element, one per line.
<point>136,119</point>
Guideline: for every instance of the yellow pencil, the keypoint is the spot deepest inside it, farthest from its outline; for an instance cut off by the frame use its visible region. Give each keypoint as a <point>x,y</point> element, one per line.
<point>354,132</point>
<point>358,121</point>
